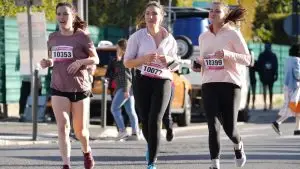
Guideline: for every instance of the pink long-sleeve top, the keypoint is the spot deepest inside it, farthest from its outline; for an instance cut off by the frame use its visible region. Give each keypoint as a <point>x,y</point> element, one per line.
<point>232,67</point>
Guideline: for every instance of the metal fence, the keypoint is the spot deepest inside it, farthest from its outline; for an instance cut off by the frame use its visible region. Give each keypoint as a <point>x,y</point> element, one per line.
<point>282,52</point>
<point>10,80</point>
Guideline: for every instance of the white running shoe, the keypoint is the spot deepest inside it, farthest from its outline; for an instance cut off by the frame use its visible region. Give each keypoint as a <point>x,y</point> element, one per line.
<point>215,164</point>
<point>134,137</point>
<point>122,135</point>
<point>240,156</point>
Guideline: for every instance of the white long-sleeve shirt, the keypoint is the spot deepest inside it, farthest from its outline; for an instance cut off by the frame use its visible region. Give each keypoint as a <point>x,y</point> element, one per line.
<point>142,43</point>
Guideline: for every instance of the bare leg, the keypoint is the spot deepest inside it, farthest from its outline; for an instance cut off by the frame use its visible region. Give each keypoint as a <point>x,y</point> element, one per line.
<point>61,106</point>
<point>297,122</point>
<point>80,115</point>
<point>281,119</point>
<point>271,95</point>
<point>265,96</point>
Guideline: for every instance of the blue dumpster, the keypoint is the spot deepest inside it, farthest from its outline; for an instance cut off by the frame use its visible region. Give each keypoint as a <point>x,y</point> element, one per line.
<point>190,27</point>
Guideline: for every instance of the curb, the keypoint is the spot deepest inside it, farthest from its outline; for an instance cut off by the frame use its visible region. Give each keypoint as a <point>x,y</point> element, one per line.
<point>24,143</point>
<point>107,134</point>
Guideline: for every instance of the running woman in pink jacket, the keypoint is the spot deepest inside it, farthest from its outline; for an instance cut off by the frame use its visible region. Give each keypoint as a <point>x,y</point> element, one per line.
<point>223,57</point>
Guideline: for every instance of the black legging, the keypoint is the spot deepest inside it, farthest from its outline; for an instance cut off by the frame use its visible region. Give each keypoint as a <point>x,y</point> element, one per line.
<point>270,86</point>
<point>221,103</point>
<point>167,118</point>
<point>251,90</point>
<point>152,97</point>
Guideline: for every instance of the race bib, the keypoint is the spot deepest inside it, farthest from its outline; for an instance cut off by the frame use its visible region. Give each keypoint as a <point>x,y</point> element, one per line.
<point>62,53</point>
<point>154,71</point>
<point>213,63</point>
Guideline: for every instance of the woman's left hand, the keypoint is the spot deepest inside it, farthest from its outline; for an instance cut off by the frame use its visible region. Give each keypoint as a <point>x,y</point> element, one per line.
<point>74,67</point>
<point>219,54</point>
<point>163,60</point>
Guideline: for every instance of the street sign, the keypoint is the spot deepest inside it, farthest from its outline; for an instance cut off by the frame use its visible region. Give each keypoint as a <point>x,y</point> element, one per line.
<point>24,2</point>
<point>288,26</point>
<point>39,41</point>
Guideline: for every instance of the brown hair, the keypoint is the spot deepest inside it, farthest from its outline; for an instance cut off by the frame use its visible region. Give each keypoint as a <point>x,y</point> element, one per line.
<point>233,15</point>
<point>141,18</point>
<point>122,43</point>
<point>78,22</point>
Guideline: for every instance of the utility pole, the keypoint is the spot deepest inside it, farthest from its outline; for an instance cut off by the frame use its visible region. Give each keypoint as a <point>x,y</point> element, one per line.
<point>86,11</point>
<point>29,4</point>
<point>80,8</point>
<point>295,21</point>
<point>169,16</point>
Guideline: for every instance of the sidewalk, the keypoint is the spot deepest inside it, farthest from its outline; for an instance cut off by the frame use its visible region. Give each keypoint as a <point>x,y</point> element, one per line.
<point>19,133</point>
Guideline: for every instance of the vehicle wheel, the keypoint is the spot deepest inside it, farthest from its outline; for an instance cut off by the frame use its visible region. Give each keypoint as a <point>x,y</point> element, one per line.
<point>243,115</point>
<point>184,119</point>
<point>185,47</point>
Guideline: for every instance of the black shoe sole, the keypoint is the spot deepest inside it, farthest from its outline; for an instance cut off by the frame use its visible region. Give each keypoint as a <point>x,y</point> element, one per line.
<point>276,130</point>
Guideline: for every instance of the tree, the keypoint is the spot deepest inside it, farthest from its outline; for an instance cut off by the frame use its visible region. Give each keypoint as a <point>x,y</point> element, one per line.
<point>246,27</point>
<point>120,13</point>
<point>269,16</point>
<point>8,8</point>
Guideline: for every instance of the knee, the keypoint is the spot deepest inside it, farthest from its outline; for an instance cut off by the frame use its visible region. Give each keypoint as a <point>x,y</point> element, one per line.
<point>114,109</point>
<point>83,133</point>
<point>64,129</point>
<point>154,124</point>
<point>231,132</point>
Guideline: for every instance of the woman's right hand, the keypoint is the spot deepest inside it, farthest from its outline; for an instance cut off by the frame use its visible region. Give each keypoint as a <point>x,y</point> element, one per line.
<point>150,57</point>
<point>196,66</point>
<point>196,69</point>
<point>45,63</point>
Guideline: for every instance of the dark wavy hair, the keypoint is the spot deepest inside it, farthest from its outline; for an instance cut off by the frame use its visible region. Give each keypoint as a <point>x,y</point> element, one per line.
<point>78,23</point>
<point>234,14</point>
<point>141,18</point>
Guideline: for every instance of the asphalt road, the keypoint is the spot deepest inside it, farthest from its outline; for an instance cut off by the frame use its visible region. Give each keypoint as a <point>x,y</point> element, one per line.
<point>264,149</point>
